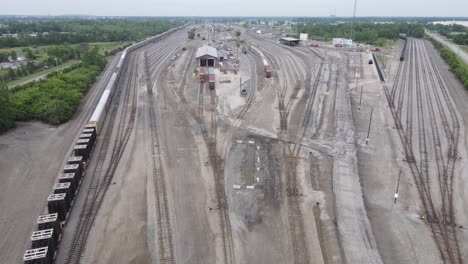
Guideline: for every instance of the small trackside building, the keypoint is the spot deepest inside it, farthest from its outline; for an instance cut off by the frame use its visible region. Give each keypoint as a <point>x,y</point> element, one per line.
<point>290,41</point>
<point>207,56</point>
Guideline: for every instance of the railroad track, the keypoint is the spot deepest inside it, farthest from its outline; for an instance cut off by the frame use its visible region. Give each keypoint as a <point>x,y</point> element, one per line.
<point>107,164</point>
<point>291,72</point>
<point>188,69</point>
<point>432,97</point>
<point>446,223</point>
<point>166,251</point>
<point>403,83</point>
<point>409,107</point>
<point>251,100</point>
<point>218,174</point>
<point>102,176</point>
<point>291,151</point>
<point>163,219</point>
<point>221,198</point>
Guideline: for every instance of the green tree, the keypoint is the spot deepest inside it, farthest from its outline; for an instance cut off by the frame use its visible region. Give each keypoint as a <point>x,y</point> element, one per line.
<point>13,55</point>
<point>11,74</point>
<point>7,119</point>
<point>62,53</point>
<point>3,56</point>
<point>56,111</point>
<point>238,33</point>
<point>93,57</point>
<point>191,35</point>
<point>29,54</point>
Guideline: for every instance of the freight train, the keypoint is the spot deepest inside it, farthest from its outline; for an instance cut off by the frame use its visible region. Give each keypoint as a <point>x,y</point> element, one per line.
<point>266,66</point>
<point>405,43</point>
<point>45,240</point>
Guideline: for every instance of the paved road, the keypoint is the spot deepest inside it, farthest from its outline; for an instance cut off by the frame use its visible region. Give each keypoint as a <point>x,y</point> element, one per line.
<point>41,76</point>
<point>454,47</point>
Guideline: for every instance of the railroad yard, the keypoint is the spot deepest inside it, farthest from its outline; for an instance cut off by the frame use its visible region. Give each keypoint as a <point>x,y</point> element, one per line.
<point>273,154</point>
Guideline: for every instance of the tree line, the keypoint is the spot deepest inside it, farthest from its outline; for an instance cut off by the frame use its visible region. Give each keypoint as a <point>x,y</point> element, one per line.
<point>81,31</point>
<point>56,55</point>
<point>364,32</point>
<point>457,65</point>
<point>458,33</point>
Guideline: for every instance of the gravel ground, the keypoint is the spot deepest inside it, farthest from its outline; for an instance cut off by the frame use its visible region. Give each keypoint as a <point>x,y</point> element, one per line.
<point>32,155</point>
<point>400,235</point>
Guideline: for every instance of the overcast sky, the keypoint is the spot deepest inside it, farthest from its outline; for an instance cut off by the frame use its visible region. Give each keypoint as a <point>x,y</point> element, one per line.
<point>235,8</point>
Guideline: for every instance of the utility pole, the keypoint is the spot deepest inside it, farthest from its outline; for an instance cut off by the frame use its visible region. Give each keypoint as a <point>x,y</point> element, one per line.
<point>397,187</point>
<point>164,91</point>
<point>240,85</point>
<point>360,98</point>
<point>357,81</point>
<point>370,122</point>
<point>149,88</point>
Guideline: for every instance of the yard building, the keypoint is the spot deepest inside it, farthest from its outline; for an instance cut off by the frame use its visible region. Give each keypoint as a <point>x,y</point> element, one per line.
<point>207,56</point>
<point>290,41</point>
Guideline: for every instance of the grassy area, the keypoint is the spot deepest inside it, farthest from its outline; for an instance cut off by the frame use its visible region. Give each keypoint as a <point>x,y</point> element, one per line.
<point>41,51</point>
<point>108,46</point>
<point>389,43</point>
<point>248,168</point>
<point>37,74</point>
<point>465,48</point>
<point>382,59</point>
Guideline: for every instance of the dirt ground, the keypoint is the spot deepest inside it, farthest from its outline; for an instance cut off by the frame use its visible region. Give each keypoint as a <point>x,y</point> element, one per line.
<point>343,199</point>
<point>27,175</point>
<point>400,235</point>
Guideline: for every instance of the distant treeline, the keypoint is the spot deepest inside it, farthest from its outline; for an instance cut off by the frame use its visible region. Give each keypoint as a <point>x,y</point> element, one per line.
<point>458,33</point>
<point>457,65</point>
<point>80,31</point>
<point>370,33</point>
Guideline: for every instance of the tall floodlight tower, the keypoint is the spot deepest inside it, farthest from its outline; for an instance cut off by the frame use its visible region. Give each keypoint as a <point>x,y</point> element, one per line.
<point>354,18</point>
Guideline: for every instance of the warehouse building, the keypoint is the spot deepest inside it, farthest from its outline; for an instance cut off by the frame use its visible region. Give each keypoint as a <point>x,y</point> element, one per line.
<point>207,56</point>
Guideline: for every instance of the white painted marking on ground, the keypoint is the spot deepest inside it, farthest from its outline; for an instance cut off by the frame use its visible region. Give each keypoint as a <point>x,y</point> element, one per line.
<point>251,187</point>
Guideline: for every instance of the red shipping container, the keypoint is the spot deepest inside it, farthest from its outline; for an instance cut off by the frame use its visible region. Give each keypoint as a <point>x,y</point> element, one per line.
<point>212,81</point>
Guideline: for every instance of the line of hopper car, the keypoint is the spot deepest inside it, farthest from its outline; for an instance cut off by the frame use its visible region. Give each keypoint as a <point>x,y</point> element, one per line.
<point>405,43</point>
<point>44,241</point>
